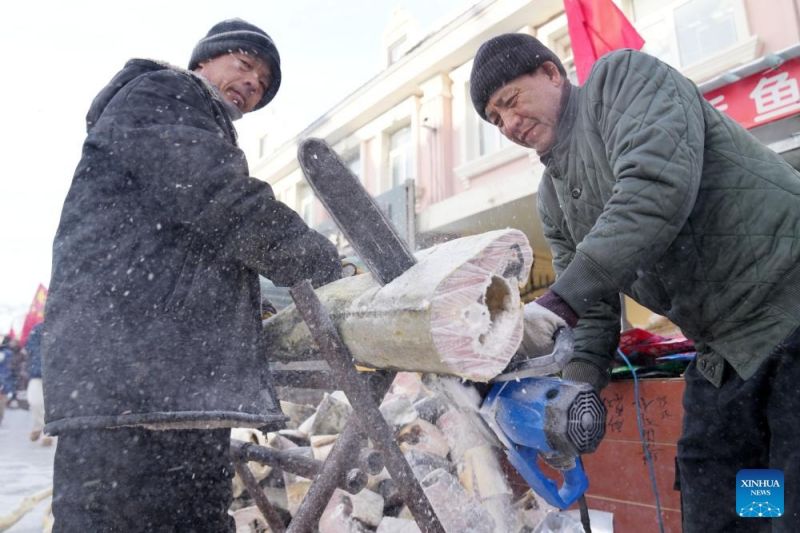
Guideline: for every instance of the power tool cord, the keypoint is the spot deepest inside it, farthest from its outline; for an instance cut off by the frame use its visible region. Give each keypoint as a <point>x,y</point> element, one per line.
<point>647,456</point>
<point>587,527</point>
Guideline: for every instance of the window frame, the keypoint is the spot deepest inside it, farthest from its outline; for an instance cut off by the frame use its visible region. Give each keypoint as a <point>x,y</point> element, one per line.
<point>745,47</point>
<point>305,204</point>
<point>351,157</point>
<point>263,145</point>
<point>471,163</point>
<point>408,150</point>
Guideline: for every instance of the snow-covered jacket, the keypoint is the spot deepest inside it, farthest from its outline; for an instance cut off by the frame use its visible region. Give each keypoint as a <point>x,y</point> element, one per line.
<point>650,191</point>
<point>153,311</point>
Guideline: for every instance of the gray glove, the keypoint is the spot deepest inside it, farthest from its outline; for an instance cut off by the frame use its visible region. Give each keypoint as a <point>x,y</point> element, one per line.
<point>586,372</point>
<point>539,329</point>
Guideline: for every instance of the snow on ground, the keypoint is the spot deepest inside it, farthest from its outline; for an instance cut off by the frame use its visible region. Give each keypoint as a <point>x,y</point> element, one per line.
<point>25,468</point>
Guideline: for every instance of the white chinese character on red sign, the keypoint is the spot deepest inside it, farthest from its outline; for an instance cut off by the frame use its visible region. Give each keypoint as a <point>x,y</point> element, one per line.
<point>719,103</point>
<point>775,96</point>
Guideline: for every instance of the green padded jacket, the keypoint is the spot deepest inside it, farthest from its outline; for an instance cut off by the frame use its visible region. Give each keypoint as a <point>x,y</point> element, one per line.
<point>651,192</point>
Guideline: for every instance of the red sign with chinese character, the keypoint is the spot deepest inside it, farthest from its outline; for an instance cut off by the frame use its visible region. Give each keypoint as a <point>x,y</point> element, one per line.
<point>761,98</point>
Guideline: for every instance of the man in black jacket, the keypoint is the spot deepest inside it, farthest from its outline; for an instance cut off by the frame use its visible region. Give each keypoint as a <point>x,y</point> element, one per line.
<point>152,345</point>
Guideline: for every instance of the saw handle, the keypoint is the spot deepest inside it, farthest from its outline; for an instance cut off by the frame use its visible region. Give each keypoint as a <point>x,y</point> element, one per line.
<point>522,366</point>
<point>574,485</point>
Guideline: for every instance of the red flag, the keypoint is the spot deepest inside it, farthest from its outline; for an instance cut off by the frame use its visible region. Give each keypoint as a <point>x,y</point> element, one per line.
<point>35,313</point>
<point>597,27</point>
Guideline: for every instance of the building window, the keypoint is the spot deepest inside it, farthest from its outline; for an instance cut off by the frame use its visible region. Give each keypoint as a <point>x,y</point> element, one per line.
<point>687,32</point>
<point>642,8</point>
<point>704,27</point>
<point>306,204</point>
<point>481,146</point>
<point>562,47</point>
<point>263,145</point>
<point>658,40</point>
<point>400,156</point>
<point>353,162</point>
<point>283,196</point>
<point>490,139</point>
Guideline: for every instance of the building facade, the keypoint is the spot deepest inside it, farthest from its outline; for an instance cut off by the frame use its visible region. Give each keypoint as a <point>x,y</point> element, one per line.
<point>414,123</point>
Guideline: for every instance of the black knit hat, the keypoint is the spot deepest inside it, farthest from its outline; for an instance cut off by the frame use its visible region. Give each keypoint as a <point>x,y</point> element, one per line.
<point>501,59</point>
<point>233,35</point>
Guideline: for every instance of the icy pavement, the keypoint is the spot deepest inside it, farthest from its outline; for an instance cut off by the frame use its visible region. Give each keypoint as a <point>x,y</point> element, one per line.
<point>25,468</point>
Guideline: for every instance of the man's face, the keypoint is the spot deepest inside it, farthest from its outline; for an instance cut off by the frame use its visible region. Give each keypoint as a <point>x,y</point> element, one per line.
<point>526,108</point>
<point>241,78</point>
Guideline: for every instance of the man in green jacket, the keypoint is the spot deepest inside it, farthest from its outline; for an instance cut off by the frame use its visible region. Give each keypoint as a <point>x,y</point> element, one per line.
<point>651,192</point>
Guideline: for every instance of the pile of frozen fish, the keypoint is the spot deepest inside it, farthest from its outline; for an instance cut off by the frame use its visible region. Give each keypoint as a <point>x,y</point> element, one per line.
<point>457,460</point>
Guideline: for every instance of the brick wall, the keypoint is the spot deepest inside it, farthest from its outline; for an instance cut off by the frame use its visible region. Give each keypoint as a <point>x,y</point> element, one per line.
<point>618,476</point>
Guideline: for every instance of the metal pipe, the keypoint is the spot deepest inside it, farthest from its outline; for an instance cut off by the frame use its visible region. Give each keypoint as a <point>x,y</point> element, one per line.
<point>371,461</point>
<point>294,464</point>
<point>272,517</point>
<point>355,479</point>
<point>336,465</point>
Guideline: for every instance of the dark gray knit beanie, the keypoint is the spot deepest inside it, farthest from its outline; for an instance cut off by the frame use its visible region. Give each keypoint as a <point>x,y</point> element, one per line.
<point>233,35</point>
<point>501,59</point>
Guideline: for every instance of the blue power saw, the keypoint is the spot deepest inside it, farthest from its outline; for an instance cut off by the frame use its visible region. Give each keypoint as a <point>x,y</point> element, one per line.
<point>535,415</point>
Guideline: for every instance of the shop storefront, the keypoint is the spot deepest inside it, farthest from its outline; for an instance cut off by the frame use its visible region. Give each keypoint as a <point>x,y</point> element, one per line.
<point>764,97</point>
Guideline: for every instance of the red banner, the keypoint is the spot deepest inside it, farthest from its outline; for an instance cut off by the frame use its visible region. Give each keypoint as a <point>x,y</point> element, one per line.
<point>35,313</point>
<point>596,27</point>
<point>761,98</point>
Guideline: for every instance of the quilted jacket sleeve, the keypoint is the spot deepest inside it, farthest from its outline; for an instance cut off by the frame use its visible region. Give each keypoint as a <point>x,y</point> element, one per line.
<point>597,331</point>
<point>650,119</point>
<point>186,163</point>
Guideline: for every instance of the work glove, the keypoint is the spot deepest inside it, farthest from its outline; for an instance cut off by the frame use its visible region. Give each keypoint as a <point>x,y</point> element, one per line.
<point>542,318</point>
<point>586,372</point>
<point>539,330</point>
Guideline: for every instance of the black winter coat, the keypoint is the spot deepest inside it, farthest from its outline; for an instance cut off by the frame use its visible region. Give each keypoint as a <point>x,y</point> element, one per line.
<point>153,311</point>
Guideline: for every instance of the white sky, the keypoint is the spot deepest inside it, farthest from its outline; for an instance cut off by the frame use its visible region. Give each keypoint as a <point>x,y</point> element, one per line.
<point>57,55</point>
